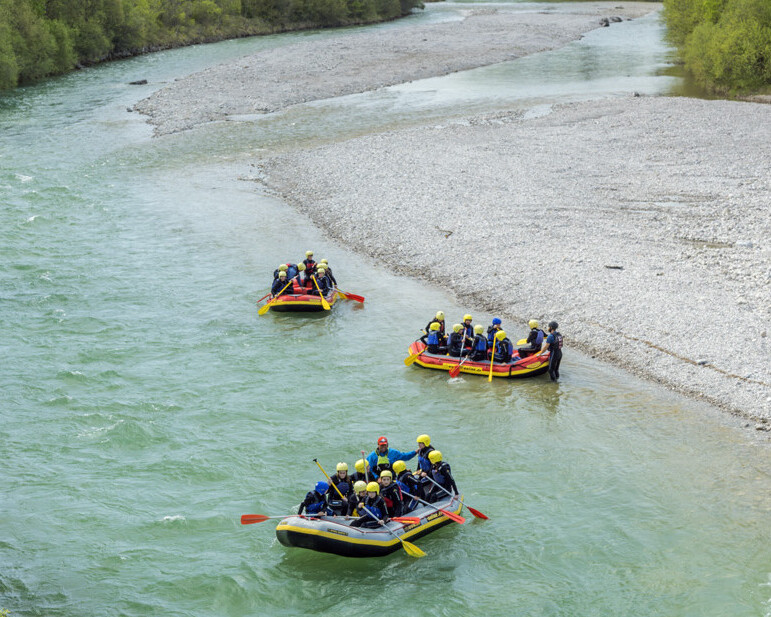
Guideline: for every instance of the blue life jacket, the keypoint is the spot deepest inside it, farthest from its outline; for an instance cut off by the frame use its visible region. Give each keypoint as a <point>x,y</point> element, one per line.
<point>291,271</point>
<point>480,343</point>
<point>423,463</point>
<point>433,337</point>
<point>318,505</point>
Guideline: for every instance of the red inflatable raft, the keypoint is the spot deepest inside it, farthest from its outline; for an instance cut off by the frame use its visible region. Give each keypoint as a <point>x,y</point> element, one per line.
<point>301,303</point>
<point>529,366</point>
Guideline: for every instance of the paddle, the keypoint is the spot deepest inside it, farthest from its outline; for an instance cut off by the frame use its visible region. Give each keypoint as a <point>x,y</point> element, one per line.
<point>324,302</point>
<point>409,548</point>
<point>265,308</point>
<point>366,473</point>
<point>249,519</point>
<point>261,299</point>
<point>451,515</point>
<point>410,360</point>
<point>349,296</point>
<point>330,480</point>
<point>412,520</point>
<point>455,370</point>
<point>492,359</point>
<point>476,513</point>
<point>522,341</point>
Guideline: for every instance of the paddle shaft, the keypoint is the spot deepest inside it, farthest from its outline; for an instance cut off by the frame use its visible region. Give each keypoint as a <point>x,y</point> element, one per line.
<point>324,302</point>
<point>364,458</point>
<point>492,359</point>
<point>451,515</point>
<point>476,513</point>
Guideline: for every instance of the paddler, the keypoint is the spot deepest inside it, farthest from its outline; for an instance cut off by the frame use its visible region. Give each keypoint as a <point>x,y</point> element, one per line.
<point>323,284</point>
<point>279,284</point>
<point>407,483</point>
<point>434,340</point>
<point>325,264</point>
<point>310,265</point>
<point>363,472</point>
<point>384,457</point>
<point>376,506</point>
<point>479,344</point>
<point>442,475</point>
<point>468,329</point>
<point>493,330</point>
<point>342,481</point>
<point>281,268</point>
<point>534,339</point>
<point>391,493</point>
<point>315,501</point>
<point>439,318</point>
<point>357,499</point>
<point>503,347</point>
<point>455,341</point>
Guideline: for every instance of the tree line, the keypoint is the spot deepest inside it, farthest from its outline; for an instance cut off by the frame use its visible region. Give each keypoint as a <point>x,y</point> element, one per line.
<point>39,38</point>
<point>725,44</point>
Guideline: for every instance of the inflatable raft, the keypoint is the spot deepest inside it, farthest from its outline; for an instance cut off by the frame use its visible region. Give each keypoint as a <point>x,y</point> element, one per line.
<point>334,534</point>
<point>529,366</point>
<point>302,303</point>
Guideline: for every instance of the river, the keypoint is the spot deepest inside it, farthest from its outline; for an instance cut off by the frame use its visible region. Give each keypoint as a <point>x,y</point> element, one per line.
<point>146,406</point>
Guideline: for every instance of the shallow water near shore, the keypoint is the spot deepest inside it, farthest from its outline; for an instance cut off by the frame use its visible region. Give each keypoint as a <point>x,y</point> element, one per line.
<point>147,406</point>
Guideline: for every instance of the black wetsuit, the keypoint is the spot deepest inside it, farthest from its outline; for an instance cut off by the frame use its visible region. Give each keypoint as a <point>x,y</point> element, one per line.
<point>442,475</point>
<point>278,286</point>
<point>554,341</point>
<point>323,283</point>
<point>314,503</point>
<point>392,496</point>
<point>413,488</point>
<point>455,344</point>
<point>336,504</point>
<point>479,348</point>
<point>503,350</point>
<point>375,505</point>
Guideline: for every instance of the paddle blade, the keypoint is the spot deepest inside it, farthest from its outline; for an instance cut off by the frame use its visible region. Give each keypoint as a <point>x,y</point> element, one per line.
<point>248,519</point>
<point>264,309</point>
<point>477,513</point>
<point>325,304</point>
<point>412,520</point>
<point>353,297</point>
<point>455,371</point>
<point>412,550</point>
<point>409,361</point>
<point>454,517</point>
<point>522,341</point>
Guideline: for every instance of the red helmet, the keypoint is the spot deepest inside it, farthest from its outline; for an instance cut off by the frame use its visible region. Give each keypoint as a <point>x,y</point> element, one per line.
<point>382,441</point>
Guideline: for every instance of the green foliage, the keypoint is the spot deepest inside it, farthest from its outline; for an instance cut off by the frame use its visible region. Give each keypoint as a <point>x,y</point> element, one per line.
<point>726,44</point>
<point>47,37</point>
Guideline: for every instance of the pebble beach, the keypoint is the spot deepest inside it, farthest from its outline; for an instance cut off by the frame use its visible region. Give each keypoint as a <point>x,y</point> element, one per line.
<point>641,224</point>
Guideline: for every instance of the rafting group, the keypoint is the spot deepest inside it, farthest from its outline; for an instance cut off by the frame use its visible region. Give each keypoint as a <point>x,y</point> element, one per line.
<point>470,348</point>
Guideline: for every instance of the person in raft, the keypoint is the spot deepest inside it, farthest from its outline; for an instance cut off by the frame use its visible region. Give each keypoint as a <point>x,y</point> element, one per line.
<point>442,475</point>
<point>357,499</point>
<point>323,273</point>
<point>310,265</point>
<point>325,264</point>
<point>504,348</point>
<point>391,493</point>
<point>323,284</point>
<point>377,514</point>
<point>553,343</point>
<point>468,329</point>
<point>363,472</point>
<point>315,501</point>
<point>492,330</point>
<point>281,268</point>
<point>281,285</point>
<point>342,481</point>
<point>534,340</point>
<point>438,319</point>
<point>408,483</point>
<point>434,340</point>
<point>383,457</point>
<point>455,342</point>
<point>479,344</point>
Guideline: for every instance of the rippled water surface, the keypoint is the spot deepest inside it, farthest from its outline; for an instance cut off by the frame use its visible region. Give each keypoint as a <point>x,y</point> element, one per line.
<point>146,406</point>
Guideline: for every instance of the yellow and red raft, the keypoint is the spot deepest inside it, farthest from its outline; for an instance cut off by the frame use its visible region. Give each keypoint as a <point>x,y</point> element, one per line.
<point>305,303</point>
<point>529,366</point>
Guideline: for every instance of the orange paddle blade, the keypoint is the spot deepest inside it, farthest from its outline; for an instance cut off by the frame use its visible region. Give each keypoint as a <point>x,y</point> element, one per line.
<point>248,519</point>
<point>454,517</point>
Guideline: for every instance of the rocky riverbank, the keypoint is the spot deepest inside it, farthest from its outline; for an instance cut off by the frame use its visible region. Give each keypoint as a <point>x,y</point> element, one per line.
<point>641,224</point>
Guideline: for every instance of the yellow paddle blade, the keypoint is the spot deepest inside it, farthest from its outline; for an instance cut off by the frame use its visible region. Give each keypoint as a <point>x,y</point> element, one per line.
<point>264,309</point>
<point>522,341</point>
<point>412,550</point>
<point>409,361</point>
<point>325,304</point>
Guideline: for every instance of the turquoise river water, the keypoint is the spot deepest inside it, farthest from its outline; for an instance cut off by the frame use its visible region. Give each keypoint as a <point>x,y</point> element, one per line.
<point>146,406</point>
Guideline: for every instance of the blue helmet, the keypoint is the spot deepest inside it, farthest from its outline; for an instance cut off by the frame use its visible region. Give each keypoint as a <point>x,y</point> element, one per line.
<point>322,487</point>
<point>496,321</point>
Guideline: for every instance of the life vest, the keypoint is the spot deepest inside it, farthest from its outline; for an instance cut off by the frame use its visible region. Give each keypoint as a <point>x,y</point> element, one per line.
<point>315,506</point>
<point>468,331</point>
<point>291,270</point>
<point>557,343</point>
<point>424,464</point>
<point>382,464</point>
<point>480,343</point>
<point>335,502</point>
<point>391,494</point>
<point>433,338</point>
<point>441,474</point>
<point>376,506</point>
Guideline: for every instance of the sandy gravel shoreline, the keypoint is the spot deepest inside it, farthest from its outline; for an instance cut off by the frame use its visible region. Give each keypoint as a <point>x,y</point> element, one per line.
<point>642,224</point>
<point>359,61</point>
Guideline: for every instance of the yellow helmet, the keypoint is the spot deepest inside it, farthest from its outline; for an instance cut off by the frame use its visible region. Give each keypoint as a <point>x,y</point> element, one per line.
<point>359,486</point>
<point>301,267</point>
<point>360,465</point>
<point>467,317</point>
<point>373,487</point>
<point>435,456</point>
<point>440,315</point>
<point>424,439</point>
<point>500,335</point>
<point>400,466</point>
<point>342,467</point>
<point>282,274</point>
<point>321,271</point>
<point>386,473</point>
<point>457,327</point>
<point>282,268</point>
<point>532,323</point>
<point>324,261</point>
<point>479,329</point>
<point>309,253</point>
<point>434,326</point>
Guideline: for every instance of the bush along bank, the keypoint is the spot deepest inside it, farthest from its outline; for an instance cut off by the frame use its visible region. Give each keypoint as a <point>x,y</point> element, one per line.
<point>725,44</point>
<point>40,38</point>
